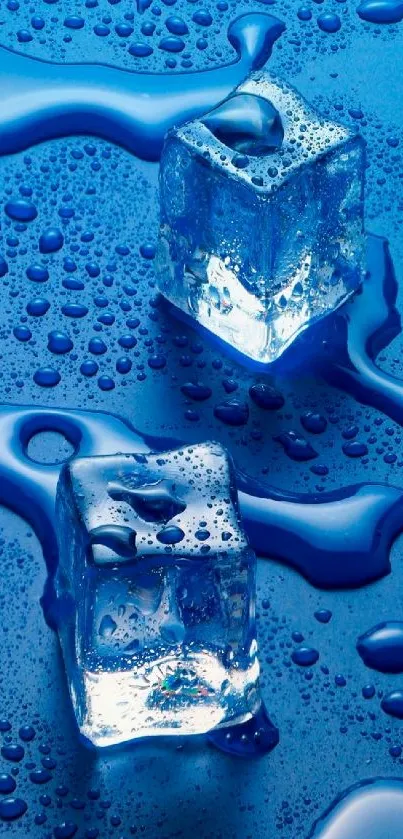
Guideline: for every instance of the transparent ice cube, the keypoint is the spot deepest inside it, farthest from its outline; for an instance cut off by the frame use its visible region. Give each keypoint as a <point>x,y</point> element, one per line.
<point>155,588</point>
<point>261,217</point>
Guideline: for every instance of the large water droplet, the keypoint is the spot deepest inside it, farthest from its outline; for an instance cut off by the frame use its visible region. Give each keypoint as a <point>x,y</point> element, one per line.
<point>381,648</point>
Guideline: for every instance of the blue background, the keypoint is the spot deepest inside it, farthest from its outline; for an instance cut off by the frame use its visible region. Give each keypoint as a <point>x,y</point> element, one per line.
<point>330,736</point>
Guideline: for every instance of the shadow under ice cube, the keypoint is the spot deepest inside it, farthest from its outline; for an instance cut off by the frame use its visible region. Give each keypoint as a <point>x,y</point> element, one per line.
<point>155,588</point>
<point>261,217</point>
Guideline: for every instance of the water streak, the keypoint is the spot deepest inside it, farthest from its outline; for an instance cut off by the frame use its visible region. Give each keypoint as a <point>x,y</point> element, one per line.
<point>345,544</point>
<point>41,99</point>
<point>359,331</point>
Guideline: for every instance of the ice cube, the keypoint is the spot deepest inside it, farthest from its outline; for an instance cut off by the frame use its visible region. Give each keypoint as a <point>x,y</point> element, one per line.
<point>155,588</point>
<point>261,217</point>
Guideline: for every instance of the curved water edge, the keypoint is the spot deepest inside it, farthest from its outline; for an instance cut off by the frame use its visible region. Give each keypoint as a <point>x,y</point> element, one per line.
<point>356,334</point>
<point>39,102</point>
<point>371,809</point>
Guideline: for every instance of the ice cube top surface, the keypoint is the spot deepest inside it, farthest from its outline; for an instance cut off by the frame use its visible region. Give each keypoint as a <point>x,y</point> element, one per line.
<point>135,506</point>
<point>263,134</point>
<point>261,217</point>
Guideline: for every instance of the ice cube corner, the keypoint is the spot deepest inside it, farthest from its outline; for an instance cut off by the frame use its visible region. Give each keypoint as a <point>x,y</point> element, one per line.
<point>261,228</point>
<point>155,592</point>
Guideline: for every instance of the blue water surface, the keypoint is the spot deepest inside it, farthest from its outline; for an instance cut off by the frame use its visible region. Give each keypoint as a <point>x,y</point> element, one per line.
<point>317,441</point>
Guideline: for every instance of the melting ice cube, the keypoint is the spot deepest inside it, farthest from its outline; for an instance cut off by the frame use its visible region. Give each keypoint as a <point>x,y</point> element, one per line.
<point>155,587</point>
<point>261,217</point>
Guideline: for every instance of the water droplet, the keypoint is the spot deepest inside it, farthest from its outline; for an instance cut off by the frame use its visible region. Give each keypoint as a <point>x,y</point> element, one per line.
<point>305,656</point>
<point>381,648</point>
<point>232,412</point>
<point>381,11</point>
<point>19,209</point>
<point>12,808</point>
